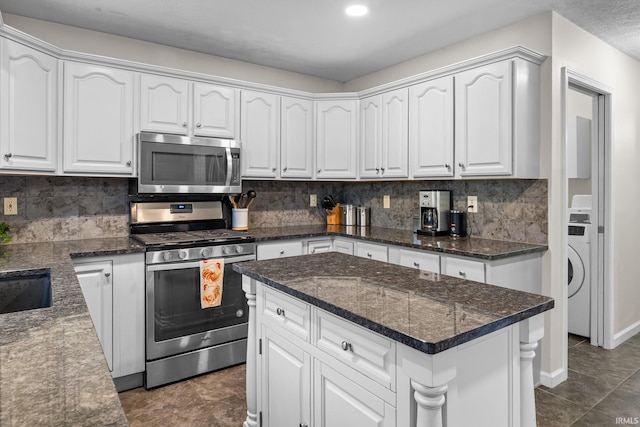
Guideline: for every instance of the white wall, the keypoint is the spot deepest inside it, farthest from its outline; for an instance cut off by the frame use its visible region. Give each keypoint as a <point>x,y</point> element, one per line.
<point>589,56</point>
<point>81,40</point>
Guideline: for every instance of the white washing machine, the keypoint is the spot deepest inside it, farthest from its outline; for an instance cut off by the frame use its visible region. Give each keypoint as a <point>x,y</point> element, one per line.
<point>579,252</point>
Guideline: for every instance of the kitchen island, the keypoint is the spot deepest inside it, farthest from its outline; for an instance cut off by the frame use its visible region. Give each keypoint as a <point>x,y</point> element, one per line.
<point>340,340</point>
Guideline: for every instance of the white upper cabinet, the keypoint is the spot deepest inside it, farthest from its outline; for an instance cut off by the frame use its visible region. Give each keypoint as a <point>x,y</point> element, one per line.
<point>336,139</point>
<point>170,105</point>
<point>259,133</point>
<point>28,108</point>
<point>98,120</point>
<point>431,128</point>
<point>383,135</point>
<point>296,143</point>
<point>497,120</point>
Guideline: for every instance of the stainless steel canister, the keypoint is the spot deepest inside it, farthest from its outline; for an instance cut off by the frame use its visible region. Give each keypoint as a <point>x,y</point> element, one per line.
<point>363,216</point>
<point>348,215</point>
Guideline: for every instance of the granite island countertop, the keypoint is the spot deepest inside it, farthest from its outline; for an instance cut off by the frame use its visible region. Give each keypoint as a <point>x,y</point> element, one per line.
<point>427,311</point>
<point>52,368</point>
<point>473,247</point>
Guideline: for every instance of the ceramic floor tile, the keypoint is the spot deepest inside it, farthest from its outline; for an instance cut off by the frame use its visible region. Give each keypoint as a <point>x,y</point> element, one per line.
<point>553,411</point>
<point>576,340</point>
<point>580,388</point>
<point>596,419</point>
<point>622,402</point>
<point>610,365</point>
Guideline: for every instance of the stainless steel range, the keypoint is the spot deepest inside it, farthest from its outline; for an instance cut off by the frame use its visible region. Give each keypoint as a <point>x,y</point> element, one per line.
<point>182,338</point>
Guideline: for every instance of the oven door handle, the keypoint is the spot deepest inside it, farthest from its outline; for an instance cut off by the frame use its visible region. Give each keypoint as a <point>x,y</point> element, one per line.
<point>194,264</point>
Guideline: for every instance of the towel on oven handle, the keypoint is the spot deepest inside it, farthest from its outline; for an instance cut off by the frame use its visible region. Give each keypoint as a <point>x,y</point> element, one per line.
<point>211,278</point>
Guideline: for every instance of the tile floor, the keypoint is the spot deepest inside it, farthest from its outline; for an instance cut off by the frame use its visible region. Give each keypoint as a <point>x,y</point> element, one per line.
<point>602,386</point>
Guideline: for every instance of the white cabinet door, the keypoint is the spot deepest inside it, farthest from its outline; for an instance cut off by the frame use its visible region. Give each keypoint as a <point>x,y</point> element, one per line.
<point>395,127</point>
<point>339,402</point>
<point>483,120</point>
<point>279,249</point>
<point>371,251</point>
<point>296,141</point>
<point>28,108</point>
<point>319,246</point>
<point>343,246</point>
<point>431,126</point>
<point>467,269</point>
<point>164,104</point>
<point>97,287</point>
<point>337,139</point>
<point>286,382</point>
<point>370,137</point>
<point>214,111</point>
<point>420,260</point>
<point>259,133</point>
<point>98,120</point>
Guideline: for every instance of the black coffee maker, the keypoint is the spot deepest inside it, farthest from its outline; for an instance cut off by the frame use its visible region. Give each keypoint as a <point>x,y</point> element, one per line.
<point>458,224</point>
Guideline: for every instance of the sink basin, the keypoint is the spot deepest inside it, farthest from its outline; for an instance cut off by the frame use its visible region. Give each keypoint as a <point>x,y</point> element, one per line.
<point>25,290</point>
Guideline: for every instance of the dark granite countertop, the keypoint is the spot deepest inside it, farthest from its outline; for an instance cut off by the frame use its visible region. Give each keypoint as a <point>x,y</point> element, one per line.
<point>469,247</point>
<point>52,368</point>
<point>427,311</point>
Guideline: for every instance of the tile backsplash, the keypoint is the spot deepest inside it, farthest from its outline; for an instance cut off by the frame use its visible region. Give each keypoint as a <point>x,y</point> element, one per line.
<point>513,210</point>
<point>66,208</point>
<point>70,208</point>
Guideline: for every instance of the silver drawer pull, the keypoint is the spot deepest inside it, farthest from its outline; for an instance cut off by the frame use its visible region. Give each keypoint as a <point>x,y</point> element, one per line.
<point>416,264</point>
<point>107,274</point>
<point>280,311</point>
<point>303,425</point>
<point>346,346</point>
<point>369,254</point>
<point>462,273</point>
<point>281,252</point>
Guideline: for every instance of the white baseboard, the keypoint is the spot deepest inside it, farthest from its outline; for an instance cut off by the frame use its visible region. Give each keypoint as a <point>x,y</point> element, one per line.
<point>625,334</point>
<point>554,378</point>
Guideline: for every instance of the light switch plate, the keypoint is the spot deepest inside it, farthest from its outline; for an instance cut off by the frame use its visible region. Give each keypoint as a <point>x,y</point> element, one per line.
<point>11,206</point>
<point>313,200</point>
<point>386,201</point>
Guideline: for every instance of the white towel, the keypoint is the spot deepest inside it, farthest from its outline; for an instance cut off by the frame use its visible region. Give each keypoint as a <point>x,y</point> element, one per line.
<point>211,277</point>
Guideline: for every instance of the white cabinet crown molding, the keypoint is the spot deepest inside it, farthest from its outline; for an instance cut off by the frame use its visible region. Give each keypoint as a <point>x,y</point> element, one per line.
<point>21,37</point>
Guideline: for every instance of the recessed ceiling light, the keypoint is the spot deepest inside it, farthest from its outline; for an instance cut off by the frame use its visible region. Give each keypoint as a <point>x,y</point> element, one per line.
<point>357,10</point>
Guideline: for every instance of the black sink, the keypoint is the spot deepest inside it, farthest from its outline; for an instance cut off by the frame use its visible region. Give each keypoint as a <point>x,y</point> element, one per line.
<point>25,290</point>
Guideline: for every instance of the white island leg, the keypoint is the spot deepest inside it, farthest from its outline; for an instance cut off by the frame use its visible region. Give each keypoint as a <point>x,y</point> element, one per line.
<point>430,401</point>
<point>531,331</point>
<point>249,287</point>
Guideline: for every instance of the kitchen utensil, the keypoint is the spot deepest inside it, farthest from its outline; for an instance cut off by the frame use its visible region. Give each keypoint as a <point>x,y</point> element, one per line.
<point>333,215</point>
<point>328,202</point>
<point>232,201</point>
<point>250,196</point>
<point>242,201</point>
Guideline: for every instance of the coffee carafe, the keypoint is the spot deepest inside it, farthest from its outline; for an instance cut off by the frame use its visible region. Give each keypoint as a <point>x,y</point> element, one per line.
<point>435,207</point>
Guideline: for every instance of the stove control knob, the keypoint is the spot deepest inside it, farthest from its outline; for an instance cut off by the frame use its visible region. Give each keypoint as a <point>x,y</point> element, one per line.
<point>226,250</point>
<point>167,256</point>
<point>239,249</point>
<point>182,254</point>
<point>206,252</point>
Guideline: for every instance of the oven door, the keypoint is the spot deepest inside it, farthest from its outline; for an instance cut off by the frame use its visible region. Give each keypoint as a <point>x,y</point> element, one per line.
<point>175,321</point>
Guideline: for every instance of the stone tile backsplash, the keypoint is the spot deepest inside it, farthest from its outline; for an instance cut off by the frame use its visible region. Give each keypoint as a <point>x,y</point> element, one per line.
<point>66,208</point>
<point>71,208</point>
<point>513,210</point>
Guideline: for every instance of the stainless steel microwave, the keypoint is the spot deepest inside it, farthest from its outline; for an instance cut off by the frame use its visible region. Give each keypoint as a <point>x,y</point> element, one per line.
<point>179,164</point>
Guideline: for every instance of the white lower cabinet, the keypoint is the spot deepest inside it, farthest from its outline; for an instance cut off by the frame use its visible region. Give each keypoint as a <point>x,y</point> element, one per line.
<point>421,260</point>
<point>371,251</point>
<point>319,246</point>
<point>463,268</point>
<point>343,246</point>
<point>279,249</point>
<point>114,290</point>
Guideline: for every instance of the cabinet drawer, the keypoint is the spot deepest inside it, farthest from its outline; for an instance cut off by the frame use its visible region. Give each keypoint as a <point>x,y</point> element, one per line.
<point>375,252</point>
<point>319,246</point>
<point>420,260</point>
<point>343,246</point>
<point>286,312</point>
<point>361,349</point>
<point>463,268</point>
<point>279,249</point>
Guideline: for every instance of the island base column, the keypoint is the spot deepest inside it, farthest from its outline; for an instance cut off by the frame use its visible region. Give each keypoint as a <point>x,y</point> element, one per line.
<point>430,401</point>
<point>531,331</point>
<point>249,287</point>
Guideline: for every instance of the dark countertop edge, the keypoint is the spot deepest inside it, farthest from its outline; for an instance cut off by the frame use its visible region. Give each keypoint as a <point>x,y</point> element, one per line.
<point>425,347</point>
<point>529,249</point>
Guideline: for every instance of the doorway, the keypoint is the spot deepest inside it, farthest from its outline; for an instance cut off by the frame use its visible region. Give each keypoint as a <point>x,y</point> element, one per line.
<point>587,124</point>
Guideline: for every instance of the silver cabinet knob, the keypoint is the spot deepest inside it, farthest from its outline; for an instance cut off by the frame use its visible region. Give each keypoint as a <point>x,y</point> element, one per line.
<point>369,254</point>
<point>128,162</point>
<point>281,252</point>
<point>346,346</point>
<point>280,311</point>
<point>416,264</point>
<point>184,124</point>
<point>8,155</point>
<point>377,171</point>
<point>461,165</point>
<point>198,125</point>
<point>284,169</point>
<point>319,170</point>
<point>304,425</point>
<point>107,274</point>
<point>382,171</point>
<point>462,273</point>
<point>273,169</point>
<point>448,166</point>
<point>313,251</point>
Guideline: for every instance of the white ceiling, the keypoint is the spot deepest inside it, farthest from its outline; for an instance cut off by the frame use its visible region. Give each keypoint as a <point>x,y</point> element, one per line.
<point>315,37</point>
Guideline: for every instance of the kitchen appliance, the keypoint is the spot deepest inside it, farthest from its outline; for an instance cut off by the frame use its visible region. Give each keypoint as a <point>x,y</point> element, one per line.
<point>183,339</point>
<point>458,224</point>
<point>435,206</point>
<point>348,215</point>
<point>175,164</point>
<point>579,266</point>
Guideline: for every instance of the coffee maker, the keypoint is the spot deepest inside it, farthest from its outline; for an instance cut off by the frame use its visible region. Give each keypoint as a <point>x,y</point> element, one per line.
<point>435,207</point>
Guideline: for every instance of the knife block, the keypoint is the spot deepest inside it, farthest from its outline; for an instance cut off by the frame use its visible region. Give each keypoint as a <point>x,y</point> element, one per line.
<point>333,215</point>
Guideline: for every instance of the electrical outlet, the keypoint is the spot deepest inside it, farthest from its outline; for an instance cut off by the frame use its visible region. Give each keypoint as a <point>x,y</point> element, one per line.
<point>386,202</point>
<point>11,206</point>
<point>313,200</point>
<point>472,204</point>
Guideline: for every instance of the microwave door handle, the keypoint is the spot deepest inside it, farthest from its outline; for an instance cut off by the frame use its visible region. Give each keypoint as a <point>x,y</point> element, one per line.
<point>229,167</point>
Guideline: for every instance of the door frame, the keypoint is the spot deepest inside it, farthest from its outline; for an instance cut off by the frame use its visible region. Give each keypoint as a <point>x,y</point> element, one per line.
<point>602,309</point>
